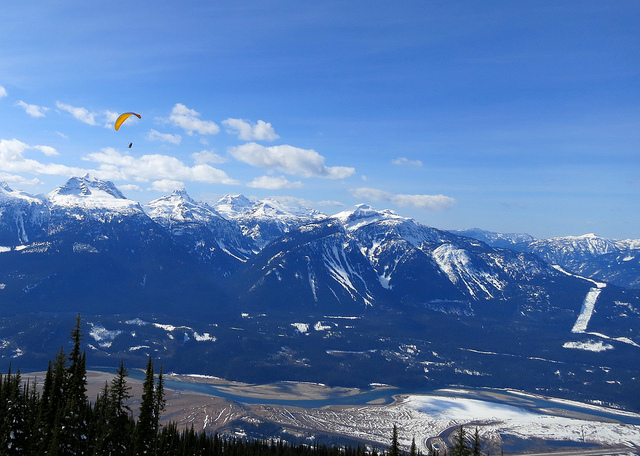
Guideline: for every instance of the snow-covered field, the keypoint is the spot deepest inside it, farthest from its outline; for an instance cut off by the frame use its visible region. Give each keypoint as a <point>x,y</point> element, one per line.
<point>422,417</point>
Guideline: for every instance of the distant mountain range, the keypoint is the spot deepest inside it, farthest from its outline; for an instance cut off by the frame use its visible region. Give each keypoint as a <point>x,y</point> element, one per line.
<point>609,260</point>
<point>261,290</point>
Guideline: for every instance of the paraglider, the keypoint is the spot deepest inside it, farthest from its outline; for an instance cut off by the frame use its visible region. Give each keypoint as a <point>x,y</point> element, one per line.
<point>122,117</point>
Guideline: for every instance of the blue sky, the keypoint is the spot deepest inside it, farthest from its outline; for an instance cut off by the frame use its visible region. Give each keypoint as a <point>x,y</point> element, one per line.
<point>505,115</point>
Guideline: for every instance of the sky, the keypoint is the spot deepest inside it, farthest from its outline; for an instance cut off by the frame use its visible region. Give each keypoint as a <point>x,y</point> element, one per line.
<point>518,117</point>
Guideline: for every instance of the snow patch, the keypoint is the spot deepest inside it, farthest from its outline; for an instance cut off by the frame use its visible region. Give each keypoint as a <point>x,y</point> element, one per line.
<point>320,327</point>
<point>457,265</point>
<point>588,305</point>
<point>137,322</point>
<point>589,345</point>
<point>302,328</point>
<point>103,336</point>
<point>204,337</point>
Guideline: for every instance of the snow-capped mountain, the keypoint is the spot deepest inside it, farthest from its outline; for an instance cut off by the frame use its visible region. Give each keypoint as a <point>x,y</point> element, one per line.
<point>23,217</point>
<point>367,258</point>
<point>287,293</point>
<point>505,240</point>
<point>265,220</point>
<point>589,255</point>
<point>207,235</point>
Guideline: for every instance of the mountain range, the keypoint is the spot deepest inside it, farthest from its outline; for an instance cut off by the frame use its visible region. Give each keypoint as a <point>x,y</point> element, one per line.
<point>264,290</point>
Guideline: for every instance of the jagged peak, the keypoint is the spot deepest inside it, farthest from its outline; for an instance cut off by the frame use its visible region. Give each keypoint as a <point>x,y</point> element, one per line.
<point>178,196</point>
<point>364,214</point>
<point>7,193</point>
<point>87,186</point>
<point>284,206</point>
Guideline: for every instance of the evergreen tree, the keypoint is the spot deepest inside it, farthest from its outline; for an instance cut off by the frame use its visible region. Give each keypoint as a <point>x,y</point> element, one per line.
<point>56,406</point>
<point>394,449</point>
<point>45,416</point>
<point>414,448</point>
<point>74,431</point>
<point>460,447</point>
<point>146,428</point>
<point>14,430</point>
<point>114,434</point>
<point>159,401</point>
<point>476,444</point>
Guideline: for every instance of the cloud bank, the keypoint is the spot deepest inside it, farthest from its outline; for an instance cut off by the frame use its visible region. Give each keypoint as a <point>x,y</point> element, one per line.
<point>273,183</point>
<point>289,160</point>
<point>403,161</point>
<point>189,120</point>
<point>115,165</point>
<point>426,202</point>
<point>81,114</point>
<point>32,110</point>
<point>262,131</point>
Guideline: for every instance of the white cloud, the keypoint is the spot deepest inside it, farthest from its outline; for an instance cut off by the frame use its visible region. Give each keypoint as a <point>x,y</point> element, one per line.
<point>111,118</point>
<point>273,183</point>
<point>129,188</point>
<point>81,114</point>
<point>166,185</point>
<point>189,120</point>
<point>207,156</point>
<point>12,160</point>
<point>117,166</point>
<point>47,150</point>
<point>289,160</point>
<point>262,131</point>
<point>3,92</point>
<point>406,161</point>
<point>18,180</point>
<point>155,135</point>
<point>426,202</point>
<point>32,110</point>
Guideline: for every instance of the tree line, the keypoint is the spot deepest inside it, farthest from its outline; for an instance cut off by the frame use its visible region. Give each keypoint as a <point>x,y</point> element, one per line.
<point>59,420</point>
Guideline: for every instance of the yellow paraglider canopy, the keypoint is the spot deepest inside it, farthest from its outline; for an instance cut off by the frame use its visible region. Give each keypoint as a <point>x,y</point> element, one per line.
<point>122,117</point>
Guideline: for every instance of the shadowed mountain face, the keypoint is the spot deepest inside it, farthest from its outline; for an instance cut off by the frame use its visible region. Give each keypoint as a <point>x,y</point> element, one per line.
<point>261,290</point>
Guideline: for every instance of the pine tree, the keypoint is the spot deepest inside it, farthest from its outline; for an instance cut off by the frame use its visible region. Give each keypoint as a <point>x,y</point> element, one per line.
<point>476,444</point>
<point>114,433</point>
<point>159,401</point>
<point>394,449</point>
<point>14,430</point>
<point>460,447</point>
<point>74,430</point>
<point>57,404</point>
<point>414,448</point>
<point>146,428</point>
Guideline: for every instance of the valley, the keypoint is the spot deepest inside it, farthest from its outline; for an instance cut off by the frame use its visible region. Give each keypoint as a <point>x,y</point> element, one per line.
<point>508,420</point>
<point>259,292</point>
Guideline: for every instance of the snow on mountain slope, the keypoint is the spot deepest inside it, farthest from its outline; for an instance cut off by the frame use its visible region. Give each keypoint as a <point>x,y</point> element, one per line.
<point>233,206</point>
<point>22,216</point>
<point>91,194</point>
<point>588,255</point>
<point>504,240</point>
<point>265,220</point>
<point>7,194</point>
<point>206,234</point>
<point>458,266</point>
<point>178,207</point>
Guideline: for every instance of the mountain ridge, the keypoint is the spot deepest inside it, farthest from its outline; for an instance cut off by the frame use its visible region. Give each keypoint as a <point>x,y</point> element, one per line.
<point>383,298</point>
